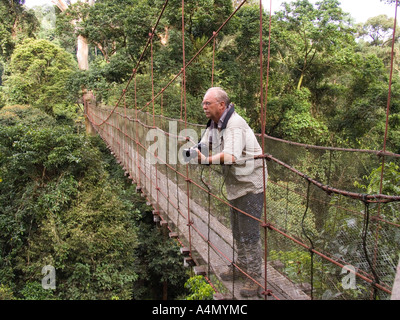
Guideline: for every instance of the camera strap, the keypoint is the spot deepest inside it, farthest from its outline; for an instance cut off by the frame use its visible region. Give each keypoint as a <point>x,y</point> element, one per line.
<point>231,110</point>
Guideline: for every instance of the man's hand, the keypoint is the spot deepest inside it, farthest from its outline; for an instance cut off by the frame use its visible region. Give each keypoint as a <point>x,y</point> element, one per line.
<point>219,158</point>
<point>201,158</point>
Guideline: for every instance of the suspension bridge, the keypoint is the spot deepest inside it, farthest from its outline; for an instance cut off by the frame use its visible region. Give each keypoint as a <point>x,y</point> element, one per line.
<point>322,238</point>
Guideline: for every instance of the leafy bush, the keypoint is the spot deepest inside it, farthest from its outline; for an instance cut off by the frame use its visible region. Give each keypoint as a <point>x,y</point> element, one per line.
<point>38,73</point>
<point>199,289</point>
<point>60,207</point>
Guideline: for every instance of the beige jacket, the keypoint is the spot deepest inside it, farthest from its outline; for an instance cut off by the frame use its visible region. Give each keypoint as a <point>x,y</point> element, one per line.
<point>238,139</point>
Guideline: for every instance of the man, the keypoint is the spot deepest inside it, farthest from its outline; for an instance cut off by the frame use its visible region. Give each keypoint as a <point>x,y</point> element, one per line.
<point>233,144</point>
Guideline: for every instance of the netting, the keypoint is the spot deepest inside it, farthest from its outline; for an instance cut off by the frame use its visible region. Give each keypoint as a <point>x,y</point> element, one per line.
<point>344,225</point>
<point>324,235</point>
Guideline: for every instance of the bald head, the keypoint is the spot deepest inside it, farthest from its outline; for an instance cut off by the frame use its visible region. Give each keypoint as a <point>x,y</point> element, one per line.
<point>220,94</point>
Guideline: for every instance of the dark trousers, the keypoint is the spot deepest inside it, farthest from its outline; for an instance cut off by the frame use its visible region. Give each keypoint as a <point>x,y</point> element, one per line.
<point>246,232</point>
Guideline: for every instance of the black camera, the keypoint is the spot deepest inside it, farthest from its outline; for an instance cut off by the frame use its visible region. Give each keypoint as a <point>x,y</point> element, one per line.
<point>191,153</point>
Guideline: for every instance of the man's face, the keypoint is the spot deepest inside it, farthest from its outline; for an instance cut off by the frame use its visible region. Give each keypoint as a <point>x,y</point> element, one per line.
<point>212,108</point>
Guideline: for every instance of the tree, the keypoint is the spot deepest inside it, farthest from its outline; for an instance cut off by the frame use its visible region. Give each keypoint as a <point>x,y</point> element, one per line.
<point>46,16</point>
<point>361,118</point>
<point>38,73</point>
<point>61,207</point>
<point>315,32</point>
<point>77,13</point>
<point>118,30</point>
<point>238,60</point>
<point>161,274</point>
<point>17,24</point>
<point>379,30</point>
<point>109,25</point>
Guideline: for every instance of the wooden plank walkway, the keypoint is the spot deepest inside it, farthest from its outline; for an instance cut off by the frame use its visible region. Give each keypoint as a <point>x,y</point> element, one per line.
<point>396,285</point>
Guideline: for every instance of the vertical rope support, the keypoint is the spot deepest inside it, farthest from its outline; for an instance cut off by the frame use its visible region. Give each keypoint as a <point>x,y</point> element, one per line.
<point>386,128</point>
<point>209,167</point>
<point>311,248</point>
<point>207,185</point>
<point>213,60</point>
<point>152,75</point>
<point>184,105</point>
<point>137,137</point>
<point>154,117</point>
<point>150,179</point>
<point>390,92</point>
<point>125,136</point>
<point>364,244</point>
<point>263,123</point>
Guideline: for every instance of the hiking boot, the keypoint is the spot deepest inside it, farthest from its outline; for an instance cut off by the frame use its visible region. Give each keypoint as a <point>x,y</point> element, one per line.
<point>231,274</point>
<point>250,288</point>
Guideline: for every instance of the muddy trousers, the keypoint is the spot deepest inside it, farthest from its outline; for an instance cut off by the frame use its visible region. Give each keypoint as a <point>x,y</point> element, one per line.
<point>246,232</point>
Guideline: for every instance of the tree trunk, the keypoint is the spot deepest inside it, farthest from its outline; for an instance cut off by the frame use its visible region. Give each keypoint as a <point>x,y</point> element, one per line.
<point>82,53</point>
<point>165,290</point>
<point>300,81</point>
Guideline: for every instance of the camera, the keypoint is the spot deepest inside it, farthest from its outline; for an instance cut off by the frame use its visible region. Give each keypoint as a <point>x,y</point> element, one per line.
<point>191,153</point>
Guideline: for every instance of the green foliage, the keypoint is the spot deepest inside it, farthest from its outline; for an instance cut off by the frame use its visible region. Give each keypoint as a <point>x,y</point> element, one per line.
<point>199,289</point>
<point>34,291</point>
<point>297,264</point>
<point>313,51</point>
<point>390,186</point>
<point>310,40</point>
<point>46,16</point>
<point>6,293</point>
<point>2,98</point>
<point>62,208</point>
<point>158,262</point>
<point>38,71</point>
<point>378,29</point>
<point>289,210</point>
<point>24,115</point>
<point>17,23</point>
<point>292,118</point>
<point>390,181</point>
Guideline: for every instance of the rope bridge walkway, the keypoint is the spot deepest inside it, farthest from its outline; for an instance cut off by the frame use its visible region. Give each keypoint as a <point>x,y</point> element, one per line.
<point>321,237</point>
